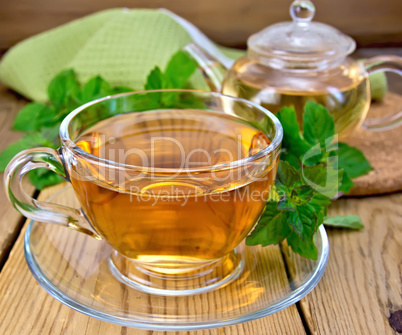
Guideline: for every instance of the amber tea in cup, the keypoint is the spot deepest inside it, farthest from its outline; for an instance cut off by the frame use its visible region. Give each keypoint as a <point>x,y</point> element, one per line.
<point>172,180</point>
<point>177,221</point>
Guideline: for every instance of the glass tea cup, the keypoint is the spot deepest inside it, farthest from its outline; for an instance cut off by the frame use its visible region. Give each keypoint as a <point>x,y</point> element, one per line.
<point>172,180</point>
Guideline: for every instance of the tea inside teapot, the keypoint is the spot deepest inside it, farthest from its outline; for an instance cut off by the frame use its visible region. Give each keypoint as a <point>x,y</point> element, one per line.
<point>290,63</point>
<point>344,91</point>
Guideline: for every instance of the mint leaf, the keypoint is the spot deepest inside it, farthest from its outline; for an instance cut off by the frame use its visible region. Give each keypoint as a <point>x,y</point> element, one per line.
<point>347,221</point>
<point>272,228</point>
<point>301,195</point>
<point>286,204</point>
<point>291,159</point>
<point>30,140</point>
<point>51,134</point>
<point>297,196</point>
<point>42,178</point>
<point>35,116</point>
<point>318,124</point>
<point>324,180</point>
<point>312,156</point>
<point>352,160</point>
<point>50,117</point>
<point>120,89</point>
<point>304,222</point>
<point>28,117</point>
<point>179,70</point>
<point>94,89</point>
<point>7,154</point>
<point>303,249</point>
<point>346,183</point>
<point>292,139</point>
<point>286,177</point>
<point>63,88</point>
<point>320,203</point>
<point>155,80</point>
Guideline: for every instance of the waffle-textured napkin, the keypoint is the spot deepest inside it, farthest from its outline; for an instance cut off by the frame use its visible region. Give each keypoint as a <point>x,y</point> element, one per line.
<point>121,45</point>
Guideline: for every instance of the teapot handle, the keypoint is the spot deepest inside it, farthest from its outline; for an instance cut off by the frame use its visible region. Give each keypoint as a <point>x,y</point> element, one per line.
<point>384,64</point>
<point>212,70</point>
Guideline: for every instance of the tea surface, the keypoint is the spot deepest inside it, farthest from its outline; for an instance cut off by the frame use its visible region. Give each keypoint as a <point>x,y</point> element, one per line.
<point>189,218</point>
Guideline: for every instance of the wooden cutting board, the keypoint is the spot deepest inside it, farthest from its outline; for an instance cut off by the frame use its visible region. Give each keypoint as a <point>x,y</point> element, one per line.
<point>383,150</point>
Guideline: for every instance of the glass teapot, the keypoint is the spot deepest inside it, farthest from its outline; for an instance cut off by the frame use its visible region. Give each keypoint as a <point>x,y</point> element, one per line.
<point>289,63</point>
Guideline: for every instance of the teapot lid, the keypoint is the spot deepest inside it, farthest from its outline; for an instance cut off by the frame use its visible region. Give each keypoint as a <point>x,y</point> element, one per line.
<point>302,43</point>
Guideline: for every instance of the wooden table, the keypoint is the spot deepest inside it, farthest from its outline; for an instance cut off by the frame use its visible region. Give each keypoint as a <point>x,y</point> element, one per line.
<point>358,293</point>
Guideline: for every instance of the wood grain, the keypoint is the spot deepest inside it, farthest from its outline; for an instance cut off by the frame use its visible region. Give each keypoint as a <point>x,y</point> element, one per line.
<point>362,285</point>
<point>10,220</point>
<point>25,308</point>
<point>370,22</point>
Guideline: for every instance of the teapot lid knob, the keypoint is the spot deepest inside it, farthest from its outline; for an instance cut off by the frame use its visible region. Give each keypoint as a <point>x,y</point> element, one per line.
<point>302,11</point>
<point>300,43</point>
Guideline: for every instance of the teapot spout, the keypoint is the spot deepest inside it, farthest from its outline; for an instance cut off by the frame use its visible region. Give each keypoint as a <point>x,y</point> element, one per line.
<point>212,70</point>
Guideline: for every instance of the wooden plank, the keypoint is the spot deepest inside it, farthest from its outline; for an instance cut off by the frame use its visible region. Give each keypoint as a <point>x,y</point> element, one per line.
<point>371,22</point>
<point>25,308</point>
<point>10,220</point>
<point>362,285</point>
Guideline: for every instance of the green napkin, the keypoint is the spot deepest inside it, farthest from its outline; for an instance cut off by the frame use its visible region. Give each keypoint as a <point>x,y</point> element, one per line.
<point>121,45</point>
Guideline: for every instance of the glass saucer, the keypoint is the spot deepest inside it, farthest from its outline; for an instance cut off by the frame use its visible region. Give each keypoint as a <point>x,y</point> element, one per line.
<point>74,268</point>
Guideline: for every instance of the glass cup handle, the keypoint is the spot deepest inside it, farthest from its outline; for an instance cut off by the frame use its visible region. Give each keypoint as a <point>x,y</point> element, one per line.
<point>384,64</point>
<point>47,158</point>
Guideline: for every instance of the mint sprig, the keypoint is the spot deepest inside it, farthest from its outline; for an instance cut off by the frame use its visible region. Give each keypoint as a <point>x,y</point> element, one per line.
<point>41,122</point>
<point>312,170</point>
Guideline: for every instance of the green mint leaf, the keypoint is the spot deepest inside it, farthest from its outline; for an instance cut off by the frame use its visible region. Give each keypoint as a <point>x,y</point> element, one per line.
<point>7,154</point>
<point>30,140</point>
<point>303,249</point>
<point>63,88</point>
<point>301,195</point>
<point>347,221</point>
<point>155,80</point>
<point>52,135</point>
<point>298,196</point>
<point>120,89</point>
<point>34,117</point>
<point>94,89</point>
<point>320,204</point>
<point>312,156</point>
<point>291,159</point>
<point>42,178</point>
<point>179,70</point>
<point>304,222</point>
<point>285,204</point>
<point>50,117</point>
<point>28,118</point>
<point>292,139</point>
<point>352,160</point>
<point>287,177</point>
<point>272,228</point>
<point>322,179</point>
<point>318,124</point>
<point>347,183</point>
